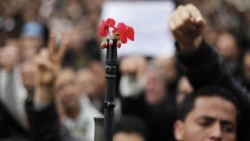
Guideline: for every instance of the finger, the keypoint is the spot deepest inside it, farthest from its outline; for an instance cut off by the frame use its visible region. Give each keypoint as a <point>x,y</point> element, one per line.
<point>62,50</point>
<point>44,54</point>
<point>171,25</point>
<point>195,14</point>
<point>43,63</point>
<point>185,18</point>
<point>177,30</point>
<point>39,62</point>
<point>173,28</point>
<point>183,14</point>
<point>176,23</point>
<point>51,45</point>
<point>177,20</point>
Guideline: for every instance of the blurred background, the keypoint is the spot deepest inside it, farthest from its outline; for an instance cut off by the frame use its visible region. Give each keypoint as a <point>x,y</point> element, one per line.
<point>153,77</point>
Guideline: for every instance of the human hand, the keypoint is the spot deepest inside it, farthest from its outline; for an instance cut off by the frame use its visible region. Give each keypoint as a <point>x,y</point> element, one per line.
<point>135,65</point>
<point>186,24</point>
<point>48,63</point>
<point>8,57</point>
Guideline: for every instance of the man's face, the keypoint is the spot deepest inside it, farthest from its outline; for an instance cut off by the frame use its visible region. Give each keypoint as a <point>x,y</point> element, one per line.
<point>212,119</point>
<point>28,71</point>
<point>87,83</point>
<point>67,90</point>
<point>155,90</point>
<point>29,46</point>
<point>227,47</point>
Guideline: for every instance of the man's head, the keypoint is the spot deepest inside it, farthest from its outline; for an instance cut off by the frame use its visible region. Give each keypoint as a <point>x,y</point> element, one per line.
<point>208,114</point>
<point>168,66</point>
<point>31,39</point>
<point>28,74</point>
<point>86,81</point>
<point>67,89</point>
<point>130,128</point>
<point>155,87</point>
<point>226,46</point>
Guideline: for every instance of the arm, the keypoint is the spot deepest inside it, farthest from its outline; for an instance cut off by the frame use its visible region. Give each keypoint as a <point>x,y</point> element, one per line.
<point>44,124</point>
<point>11,87</point>
<point>196,58</point>
<point>201,63</point>
<point>43,118</point>
<point>205,68</point>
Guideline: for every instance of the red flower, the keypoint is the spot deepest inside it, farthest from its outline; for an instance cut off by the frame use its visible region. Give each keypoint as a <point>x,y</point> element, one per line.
<point>125,32</point>
<point>121,32</point>
<point>104,26</point>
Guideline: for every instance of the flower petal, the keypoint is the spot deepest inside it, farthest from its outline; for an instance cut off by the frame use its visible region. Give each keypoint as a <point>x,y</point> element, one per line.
<point>110,22</point>
<point>103,29</point>
<point>103,32</point>
<point>123,39</point>
<point>130,33</point>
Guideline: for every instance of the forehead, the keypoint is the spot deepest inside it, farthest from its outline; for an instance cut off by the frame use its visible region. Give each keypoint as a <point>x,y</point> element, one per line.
<point>215,107</point>
<point>65,76</point>
<point>123,136</point>
<point>85,75</point>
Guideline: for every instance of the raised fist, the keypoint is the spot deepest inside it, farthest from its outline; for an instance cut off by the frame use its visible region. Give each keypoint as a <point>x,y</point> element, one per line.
<point>186,23</point>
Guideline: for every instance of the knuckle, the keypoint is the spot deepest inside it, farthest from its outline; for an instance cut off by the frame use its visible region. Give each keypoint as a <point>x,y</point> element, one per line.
<point>175,32</point>
<point>185,19</point>
<point>180,7</point>
<point>175,28</point>
<point>190,6</point>
<point>180,25</point>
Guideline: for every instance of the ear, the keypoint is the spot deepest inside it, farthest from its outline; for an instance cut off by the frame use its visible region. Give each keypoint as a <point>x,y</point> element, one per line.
<point>178,130</point>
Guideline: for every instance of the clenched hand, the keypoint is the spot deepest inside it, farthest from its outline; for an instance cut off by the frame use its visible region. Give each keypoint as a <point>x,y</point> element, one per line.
<point>186,23</point>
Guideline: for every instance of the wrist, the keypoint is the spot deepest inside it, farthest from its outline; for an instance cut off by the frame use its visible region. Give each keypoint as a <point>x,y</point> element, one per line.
<point>191,46</point>
<point>44,94</point>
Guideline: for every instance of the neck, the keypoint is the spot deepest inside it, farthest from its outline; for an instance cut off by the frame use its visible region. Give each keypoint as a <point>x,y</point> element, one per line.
<point>72,112</point>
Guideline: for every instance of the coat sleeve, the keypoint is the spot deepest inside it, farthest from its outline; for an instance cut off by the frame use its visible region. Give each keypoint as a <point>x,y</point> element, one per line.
<point>44,124</point>
<point>204,67</point>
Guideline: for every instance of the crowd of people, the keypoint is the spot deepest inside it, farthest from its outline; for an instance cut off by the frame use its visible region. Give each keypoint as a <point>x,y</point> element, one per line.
<point>52,76</point>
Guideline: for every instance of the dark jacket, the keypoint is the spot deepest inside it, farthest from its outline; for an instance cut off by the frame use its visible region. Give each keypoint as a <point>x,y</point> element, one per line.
<point>9,127</point>
<point>45,125</point>
<point>204,67</point>
<point>159,118</point>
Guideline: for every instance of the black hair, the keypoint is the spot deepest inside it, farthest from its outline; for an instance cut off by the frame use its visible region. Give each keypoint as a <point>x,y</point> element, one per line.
<point>132,124</point>
<point>187,105</point>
